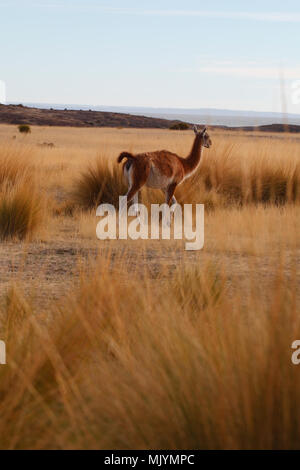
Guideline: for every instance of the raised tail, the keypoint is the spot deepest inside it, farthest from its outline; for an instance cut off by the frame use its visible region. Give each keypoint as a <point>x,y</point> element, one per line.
<point>125,155</point>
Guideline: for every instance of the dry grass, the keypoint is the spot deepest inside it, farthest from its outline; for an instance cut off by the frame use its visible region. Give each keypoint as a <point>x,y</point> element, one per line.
<point>13,165</point>
<point>152,347</point>
<point>21,207</point>
<point>239,173</point>
<point>99,183</point>
<point>183,369</point>
<point>246,173</point>
<point>21,212</point>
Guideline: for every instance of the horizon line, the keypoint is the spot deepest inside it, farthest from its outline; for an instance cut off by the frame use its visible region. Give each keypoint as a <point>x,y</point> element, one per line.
<point>26,103</point>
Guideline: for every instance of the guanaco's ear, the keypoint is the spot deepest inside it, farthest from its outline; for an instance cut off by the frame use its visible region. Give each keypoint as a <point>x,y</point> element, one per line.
<point>204,130</point>
<point>195,130</point>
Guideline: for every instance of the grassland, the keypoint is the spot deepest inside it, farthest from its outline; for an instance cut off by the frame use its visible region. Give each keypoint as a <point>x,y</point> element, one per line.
<point>140,344</point>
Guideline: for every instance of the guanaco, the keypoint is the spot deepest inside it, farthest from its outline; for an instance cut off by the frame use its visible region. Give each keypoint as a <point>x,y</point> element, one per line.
<point>162,169</point>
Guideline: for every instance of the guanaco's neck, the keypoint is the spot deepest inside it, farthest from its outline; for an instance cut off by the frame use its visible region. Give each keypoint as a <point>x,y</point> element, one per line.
<point>192,161</point>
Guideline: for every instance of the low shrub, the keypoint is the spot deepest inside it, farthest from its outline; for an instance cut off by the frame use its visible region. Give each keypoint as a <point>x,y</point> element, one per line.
<point>24,129</point>
<point>180,126</point>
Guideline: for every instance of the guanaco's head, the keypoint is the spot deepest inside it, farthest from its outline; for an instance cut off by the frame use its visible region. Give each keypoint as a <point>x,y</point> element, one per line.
<point>206,140</point>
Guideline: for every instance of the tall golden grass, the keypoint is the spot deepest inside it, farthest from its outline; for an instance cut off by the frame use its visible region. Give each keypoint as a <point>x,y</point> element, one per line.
<point>230,174</point>
<point>154,348</point>
<point>247,173</point>
<point>100,182</point>
<point>238,169</point>
<point>21,212</point>
<point>117,367</point>
<point>21,209</point>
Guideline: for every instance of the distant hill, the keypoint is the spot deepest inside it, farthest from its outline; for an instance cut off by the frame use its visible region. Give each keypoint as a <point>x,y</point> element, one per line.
<point>209,116</point>
<point>19,114</point>
<point>292,128</point>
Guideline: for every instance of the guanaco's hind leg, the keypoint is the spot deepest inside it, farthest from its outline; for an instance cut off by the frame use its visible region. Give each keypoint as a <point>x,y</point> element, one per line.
<point>137,176</point>
<point>170,198</point>
<point>170,194</point>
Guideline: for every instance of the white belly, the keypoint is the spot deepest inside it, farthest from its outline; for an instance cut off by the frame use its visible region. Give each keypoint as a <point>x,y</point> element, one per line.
<point>156,180</point>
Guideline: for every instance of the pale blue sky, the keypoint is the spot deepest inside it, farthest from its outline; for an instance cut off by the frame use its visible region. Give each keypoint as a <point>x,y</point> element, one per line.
<point>168,53</point>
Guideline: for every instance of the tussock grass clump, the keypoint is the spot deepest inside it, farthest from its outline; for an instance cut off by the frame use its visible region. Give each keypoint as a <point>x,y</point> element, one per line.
<point>13,165</point>
<point>20,212</point>
<point>100,182</point>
